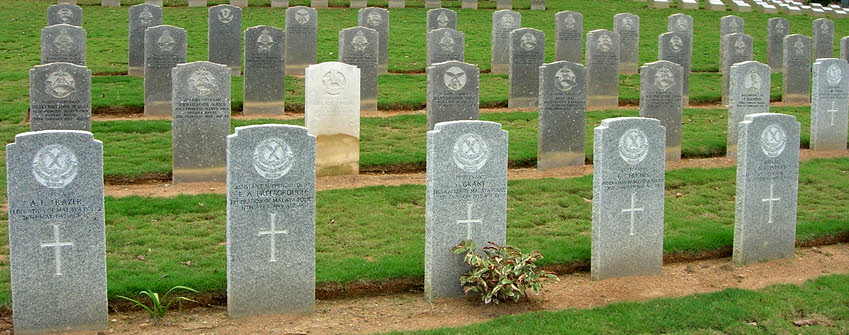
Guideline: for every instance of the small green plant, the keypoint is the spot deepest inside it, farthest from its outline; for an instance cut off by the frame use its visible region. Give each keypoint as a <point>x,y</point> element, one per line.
<point>504,273</point>
<point>159,306</point>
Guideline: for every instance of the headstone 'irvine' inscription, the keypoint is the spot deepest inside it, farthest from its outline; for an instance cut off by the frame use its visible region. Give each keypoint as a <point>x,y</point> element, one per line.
<point>65,13</point>
<point>675,47</point>
<point>359,46</point>
<point>333,116</point>
<point>265,55</point>
<point>301,39</point>
<point>165,47</point>
<point>225,37</point>
<point>441,18</point>
<point>660,98</point>
<point>270,220</point>
<point>602,69</point>
<point>562,115</point>
<point>796,81</point>
<point>445,44</point>
<point>57,240</point>
<point>60,97</point>
<point>627,25</point>
<point>378,19</point>
<point>142,16</point>
<point>737,48</point>
<point>748,94</point>
<point>527,54</point>
<point>503,22</point>
<point>767,188</point>
<point>452,92</point>
<point>823,38</point>
<point>829,104</point>
<point>63,43</point>
<point>777,28</point>
<point>569,36</point>
<point>201,101</point>
<point>729,24</point>
<point>466,198</point>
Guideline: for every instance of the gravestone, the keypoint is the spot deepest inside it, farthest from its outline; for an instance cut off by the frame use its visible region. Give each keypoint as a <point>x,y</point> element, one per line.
<point>562,115</point>
<point>142,16</point>
<point>796,81</point>
<point>777,28</point>
<point>602,69</point>
<point>829,104</point>
<point>844,48</point>
<point>301,39</point>
<point>358,4</point>
<point>660,98</point>
<point>441,18</point>
<point>627,25</point>
<point>201,102</point>
<point>504,4</point>
<point>65,13</point>
<point>72,2</point>
<point>154,2</point>
<point>537,4</point>
<point>433,3</point>
<point>527,54</point>
<point>729,24</point>
<point>378,19</point>
<point>445,44</point>
<point>569,36</point>
<point>57,240</point>
<point>60,97</point>
<point>110,3</point>
<point>503,22</point>
<point>681,23</point>
<point>466,198</point>
<point>318,4</point>
<point>225,37</point>
<point>63,43</point>
<point>264,84</point>
<point>737,48</point>
<point>748,94</point>
<point>333,116</point>
<point>452,92</point>
<point>359,46</point>
<point>823,38</point>
<point>767,188</point>
<point>675,47</point>
<point>628,189</point>
<point>197,3</point>
<point>239,3</point>
<point>270,220</point>
<point>396,3</point>
<point>279,3</point>
<point>165,47</point>
<point>470,4</point>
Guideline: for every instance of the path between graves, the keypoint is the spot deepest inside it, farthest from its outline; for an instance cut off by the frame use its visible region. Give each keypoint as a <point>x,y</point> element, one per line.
<point>410,311</point>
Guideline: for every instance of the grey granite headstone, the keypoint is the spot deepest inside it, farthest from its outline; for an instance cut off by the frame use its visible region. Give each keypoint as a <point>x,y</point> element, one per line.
<point>829,104</point>
<point>602,69</point>
<point>452,92</point>
<point>433,3</point>
<point>767,188</point>
<point>796,81</point>
<point>675,47</point>
<point>360,46</point>
<point>628,189</point>
<point>72,2</point>
<point>197,3</point>
<point>527,54</point>
<point>441,18</point>
<point>627,25</point>
<point>318,3</point>
<point>225,37</point>
<point>301,39</point>
<point>65,13</point>
<point>660,98</point>
<point>265,56</point>
<point>358,3</point>
<point>397,3</point>
<point>823,38</point>
<point>445,44</point>
<point>537,4</point>
<point>504,4</point>
<point>503,22</point>
<point>569,36</point>
<point>844,48</point>
<point>60,97</point>
<point>562,115</point>
<point>239,3</point>
<point>470,4</point>
<point>680,23</point>
<point>63,43</point>
<point>201,102</point>
<point>466,198</point>
<point>110,3</point>
<point>333,116</point>
<point>57,240</point>
<point>777,28</point>
<point>279,3</point>
<point>142,16</point>
<point>748,94</point>
<point>737,47</point>
<point>156,2</point>
<point>165,47</point>
<point>729,24</point>
<point>270,220</point>
<point>378,19</point>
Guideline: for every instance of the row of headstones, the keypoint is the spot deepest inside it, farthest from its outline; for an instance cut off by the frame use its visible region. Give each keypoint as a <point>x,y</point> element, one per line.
<point>466,4</point>
<point>766,6</point>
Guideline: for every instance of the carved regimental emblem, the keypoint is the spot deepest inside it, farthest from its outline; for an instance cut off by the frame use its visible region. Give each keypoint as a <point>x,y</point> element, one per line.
<point>446,42</point>
<point>442,20</point>
<point>528,41</point>
<point>264,42</point>
<point>60,84</point>
<point>454,78</point>
<point>225,15</point>
<point>570,21</point>
<point>334,82</point>
<point>55,166</point>
<point>471,152</point>
<point>507,21</point>
<point>800,47</point>
<point>302,16</point>
<point>773,140</point>
<point>740,46</point>
<point>628,23</point>
<point>565,79</point>
<point>65,15</point>
<point>663,79</point>
<point>676,43</point>
<point>824,27</point>
<point>64,42</point>
<point>374,19</point>
<point>202,82</point>
<point>753,81</point>
<point>360,42</point>
<point>146,17</point>
<point>273,158</point>
<point>733,25</point>
<point>682,24</point>
<point>165,42</point>
<point>605,43</point>
<point>633,146</point>
<point>834,75</point>
<point>779,27</point>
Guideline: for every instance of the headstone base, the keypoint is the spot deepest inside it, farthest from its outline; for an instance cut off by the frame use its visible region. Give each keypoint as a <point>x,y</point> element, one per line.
<point>500,69</point>
<point>158,108</point>
<point>136,71</point>
<point>537,4</point>
<point>628,68</point>
<point>197,3</point>
<point>382,68</point>
<point>685,101</point>
<point>279,3</point>
<point>502,5</point>
<point>337,155</point>
<point>433,3</point>
<point>715,6</point>
<point>523,102</point>
<point>236,71</point>
<point>358,4</point>
<point>796,99</point>
<point>470,4</point>
<point>110,3</point>
<point>396,4</point>
<point>318,4</point>
<point>552,160</point>
<point>199,175</point>
<point>252,108</point>
<point>73,2</point>
<point>154,2</point>
<point>296,70</point>
<point>601,102</point>
<point>369,105</point>
<point>239,3</point>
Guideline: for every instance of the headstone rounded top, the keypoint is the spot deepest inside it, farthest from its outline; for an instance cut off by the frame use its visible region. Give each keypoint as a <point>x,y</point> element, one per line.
<point>64,13</point>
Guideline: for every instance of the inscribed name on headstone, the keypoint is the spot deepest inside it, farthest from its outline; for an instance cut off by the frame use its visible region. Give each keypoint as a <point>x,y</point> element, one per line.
<point>301,39</point>
<point>165,47</point>
<point>452,92</point>
<point>562,115</point>
<point>503,22</point>
<point>378,19</point>
<point>777,28</point>
<point>749,92</point>
<point>65,13</point>
<point>57,241</point>
<point>767,188</point>
<point>60,97</point>
<point>63,43</point>
<point>441,18</point>
<point>359,46</point>
<point>265,55</point>
<point>270,220</point>
<point>675,47</point>
<point>660,98</point>
<point>823,38</point>
<point>602,69</point>
<point>466,198</point>
<point>142,16</point>
<point>729,24</point>
<point>796,81</point>
<point>527,54</point>
<point>201,102</point>
<point>737,48</point>
<point>333,115</point>
<point>445,44</point>
<point>225,37</point>
<point>628,189</point>
<point>829,104</point>
<point>627,25</point>
<point>569,36</point>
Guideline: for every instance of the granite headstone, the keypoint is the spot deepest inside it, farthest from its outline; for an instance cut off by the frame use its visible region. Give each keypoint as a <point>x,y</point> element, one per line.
<point>737,48</point>
<point>569,36</point>
<point>332,115</point>
<point>359,46</point>
<point>777,28</point>
<point>829,104</point>
<point>602,69</point>
<point>729,24</point>
<point>65,13</point>
<point>63,43</point>
<point>823,38</point>
<point>660,98</point>
<point>503,22</point>
<point>627,25</point>
<point>527,54</point>
<point>142,16</point>
<point>562,115</point>
<point>378,19</point>
<point>441,18</point>
<point>445,44</point>
<point>60,97</point>
<point>504,4</point>
<point>225,37</point>
<point>165,47</point>
<point>452,92</point>
<point>748,93</point>
<point>675,47</point>
<point>264,84</point>
<point>301,39</point>
<point>796,81</point>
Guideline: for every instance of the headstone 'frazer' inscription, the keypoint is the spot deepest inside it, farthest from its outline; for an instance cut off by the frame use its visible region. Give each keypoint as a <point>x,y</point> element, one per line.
<point>57,241</point>
<point>359,46</point>
<point>63,43</point>
<point>796,81</point>
<point>627,25</point>
<point>749,94</point>
<point>767,188</point>
<point>569,36</point>
<point>378,19</point>
<point>737,48</point>
<point>301,39</point>
<point>660,98</point>
<point>60,97</point>
<point>65,13</point>
<point>452,92</point>
<point>628,188</point>
<point>602,69</point>
<point>225,37</point>
<point>527,54</point>
<point>265,49</point>
<point>823,38</point>
<point>142,16</point>
<point>270,220</point>
<point>445,44</point>
<point>441,18</point>
<point>777,28</point>
<point>201,102</point>
<point>829,104</point>
<point>562,115</point>
<point>503,22</point>
<point>466,198</point>
<point>675,47</point>
<point>165,47</point>
<point>333,116</point>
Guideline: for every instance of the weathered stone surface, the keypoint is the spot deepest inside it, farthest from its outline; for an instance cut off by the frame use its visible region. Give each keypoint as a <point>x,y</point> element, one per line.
<point>378,19</point>
<point>318,4</point>
<point>675,47</point>
<point>503,22</point>
<point>537,4</point>
<point>396,3</point>
<point>359,46</point>
<point>154,2</point>
<point>142,16</point>
<point>433,3</point>
<point>358,4</point>
<point>767,188</point>
<point>844,48</point>
<point>452,92</point>
<point>737,48</point>
<point>602,69</point>
<point>60,97</point>
<point>777,28</point>
<point>165,47</point>
<point>681,23</point>
<point>441,18</point>
<point>627,25</point>
<point>333,116</point>
<point>823,38</point>
<point>562,115</point>
<point>470,4</point>
<point>270,220</point>
<point>445,44</point>
<point>466,198</point>
<point>628,186</point>
<point>279,3</point>
<point>65,13</point>
<point>748,94</point>
<point>72,2</point>
<point>197,3</point>
<point>63,43</point>
<point>265,58</point>
<point>660,98</point>
<point>201,102</point>
<point>796,81</point>
<point>504,4</point>
<point>239,3</point>
<point>110,3</point>
<point>569,36</point>
<point>225,37</point>
<point>829,104</point>
<point>729,24</point>
<point>527,54</point>
<point>57,240</point>
<point>301,39</point>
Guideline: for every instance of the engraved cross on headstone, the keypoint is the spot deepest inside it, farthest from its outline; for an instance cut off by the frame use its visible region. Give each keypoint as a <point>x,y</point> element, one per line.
<point>771,200</point>
<point>633,210</point>
<point>57,251</point>
<point>469,221</point>
<point>832,111</point>
<point>273,232</point>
